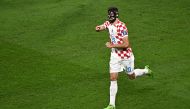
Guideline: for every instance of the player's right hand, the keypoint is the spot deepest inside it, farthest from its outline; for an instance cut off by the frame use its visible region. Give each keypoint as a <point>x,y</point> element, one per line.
<point>97,28</point>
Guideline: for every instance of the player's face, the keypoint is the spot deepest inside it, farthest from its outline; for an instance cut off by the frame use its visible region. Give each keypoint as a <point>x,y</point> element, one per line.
<point>111,16</point>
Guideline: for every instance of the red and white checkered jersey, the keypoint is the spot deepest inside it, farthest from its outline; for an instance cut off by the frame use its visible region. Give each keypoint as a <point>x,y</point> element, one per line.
<point>117,32</point>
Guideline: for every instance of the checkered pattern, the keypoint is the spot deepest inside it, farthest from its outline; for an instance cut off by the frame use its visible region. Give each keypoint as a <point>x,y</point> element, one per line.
<point>118,32</point>
<point>124,53</point>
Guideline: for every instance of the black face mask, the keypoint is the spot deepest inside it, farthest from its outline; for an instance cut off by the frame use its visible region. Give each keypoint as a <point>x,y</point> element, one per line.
<point>111,16</point>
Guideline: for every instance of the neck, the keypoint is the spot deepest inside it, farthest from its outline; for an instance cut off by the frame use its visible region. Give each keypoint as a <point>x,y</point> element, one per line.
<point>115,21</point>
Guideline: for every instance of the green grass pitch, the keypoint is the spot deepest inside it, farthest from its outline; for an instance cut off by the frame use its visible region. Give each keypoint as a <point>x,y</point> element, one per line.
<point>51,57</point>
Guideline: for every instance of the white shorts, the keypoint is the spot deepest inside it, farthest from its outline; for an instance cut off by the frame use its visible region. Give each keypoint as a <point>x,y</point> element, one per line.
<point>118,65</point>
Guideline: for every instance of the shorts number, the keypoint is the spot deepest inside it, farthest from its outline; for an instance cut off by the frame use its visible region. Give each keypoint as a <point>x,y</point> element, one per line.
<point>128,69</point>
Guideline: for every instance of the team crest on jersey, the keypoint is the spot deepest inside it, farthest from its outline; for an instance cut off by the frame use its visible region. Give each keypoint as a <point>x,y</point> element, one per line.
<point>124,32</point>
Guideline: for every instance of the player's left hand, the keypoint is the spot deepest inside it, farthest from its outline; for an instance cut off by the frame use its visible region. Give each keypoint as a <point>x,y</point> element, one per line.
<point>109,45</point>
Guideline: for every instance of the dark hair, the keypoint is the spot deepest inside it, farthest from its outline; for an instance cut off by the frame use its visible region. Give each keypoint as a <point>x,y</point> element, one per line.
<point>113,9</point>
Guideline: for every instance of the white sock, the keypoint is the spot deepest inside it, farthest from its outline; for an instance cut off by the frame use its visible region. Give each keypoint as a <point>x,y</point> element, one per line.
<point>140,72</point>
<point>113,92</point>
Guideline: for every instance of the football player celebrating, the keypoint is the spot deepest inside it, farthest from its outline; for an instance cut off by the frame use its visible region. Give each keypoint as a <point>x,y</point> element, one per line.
<point>122,57</point>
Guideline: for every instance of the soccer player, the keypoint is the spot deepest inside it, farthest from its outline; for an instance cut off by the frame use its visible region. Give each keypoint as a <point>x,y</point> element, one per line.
<point>122,57</point>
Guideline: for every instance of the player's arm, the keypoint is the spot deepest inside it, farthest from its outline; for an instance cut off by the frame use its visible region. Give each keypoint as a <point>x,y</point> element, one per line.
<point>100,28</point>
<point>125,44</point>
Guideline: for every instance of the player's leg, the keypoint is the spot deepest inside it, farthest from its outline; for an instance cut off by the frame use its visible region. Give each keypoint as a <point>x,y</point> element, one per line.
<point>115,67</point>
<point>141,72</point>
<point>113,90</point>
<point>133,73</point>
<point>113,87</point>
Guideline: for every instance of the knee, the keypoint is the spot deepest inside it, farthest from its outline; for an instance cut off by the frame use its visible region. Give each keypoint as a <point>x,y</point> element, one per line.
<point>113,78</point>
<point>132,76</point>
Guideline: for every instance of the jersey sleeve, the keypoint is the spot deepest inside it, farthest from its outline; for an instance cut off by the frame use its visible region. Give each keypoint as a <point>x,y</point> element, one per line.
<point>106,24</point>
<point>124,31</point>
